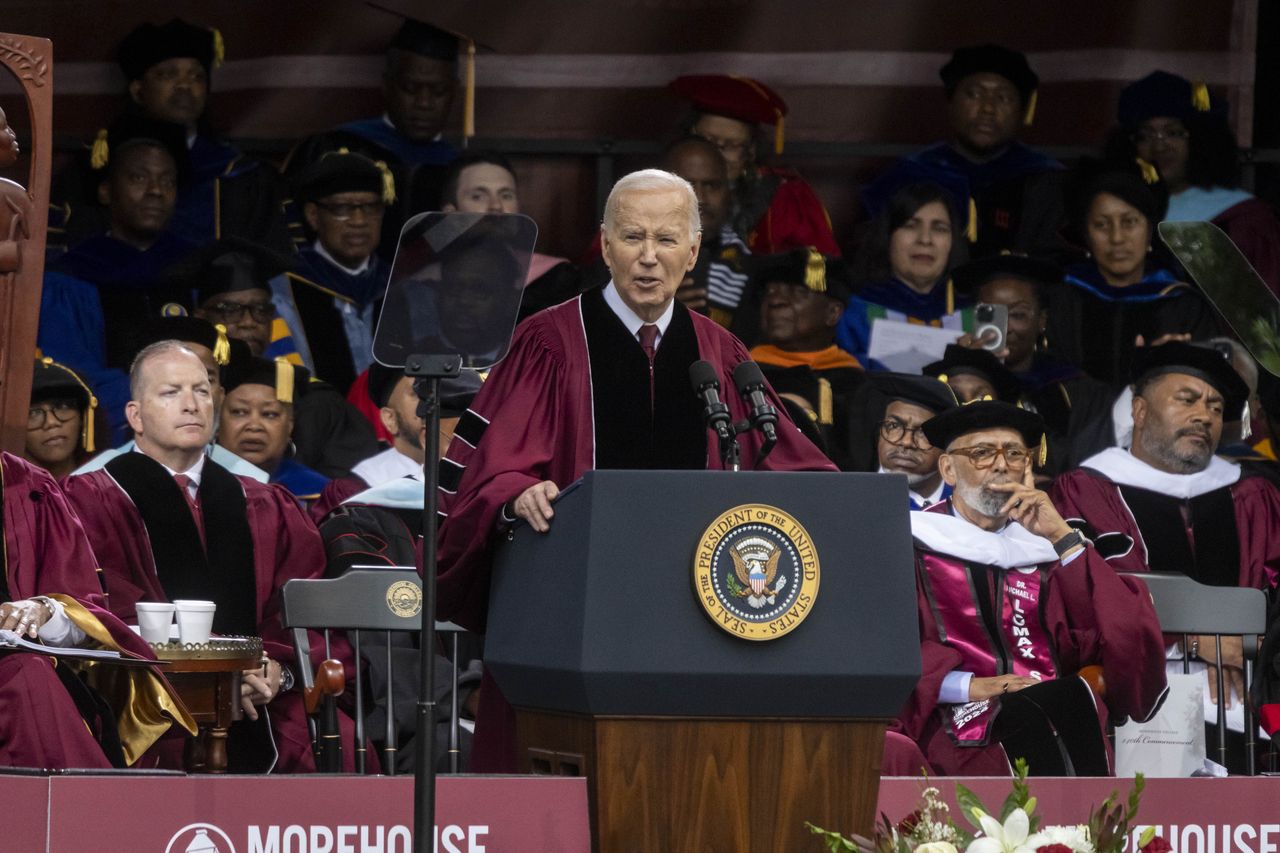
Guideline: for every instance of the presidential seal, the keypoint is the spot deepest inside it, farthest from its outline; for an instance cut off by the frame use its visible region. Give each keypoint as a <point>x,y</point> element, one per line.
<point>756,572</point>
<point>404,599</point>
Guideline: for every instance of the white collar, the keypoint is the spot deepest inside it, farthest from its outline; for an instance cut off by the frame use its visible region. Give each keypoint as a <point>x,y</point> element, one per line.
<point>1123,468</point>
<point>1011,548</point>
<point>923,500</point>
<point>1122,418</point>
<point>632,320</point>
<point>324,253</point>
<point>193,473</point>
<point>388,464</point>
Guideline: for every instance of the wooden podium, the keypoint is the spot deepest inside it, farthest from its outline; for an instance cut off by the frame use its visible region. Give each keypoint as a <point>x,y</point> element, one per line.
<point>693,738</point>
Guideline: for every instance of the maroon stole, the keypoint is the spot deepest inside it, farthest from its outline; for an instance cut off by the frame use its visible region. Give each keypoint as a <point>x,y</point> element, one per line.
<point>994,618</point>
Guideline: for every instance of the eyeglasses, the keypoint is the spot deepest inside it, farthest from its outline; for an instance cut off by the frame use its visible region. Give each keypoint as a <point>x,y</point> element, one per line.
<point>62,411</point>
<point>1172,134</point>
<point>983,456</point>
<point>346,210</point>
<point>727,146</point>
<point>233,312</point>
<point>893,431</point>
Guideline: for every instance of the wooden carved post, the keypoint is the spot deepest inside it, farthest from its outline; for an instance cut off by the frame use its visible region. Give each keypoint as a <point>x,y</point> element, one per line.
<point>23,226</point>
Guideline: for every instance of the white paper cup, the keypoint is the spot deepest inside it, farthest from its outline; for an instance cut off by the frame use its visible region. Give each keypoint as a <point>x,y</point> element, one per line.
<point>154,619</point>
<point>195,620</point>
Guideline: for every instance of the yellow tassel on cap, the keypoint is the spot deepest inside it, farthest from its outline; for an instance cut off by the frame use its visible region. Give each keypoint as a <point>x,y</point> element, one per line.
<point>1030,115</point>
<point>1043,456</point>
<point>826,403</point>
<point>779,133</point>
<point>469,97</point>
<point>951,296</point>
<point>219,48</point>
<point>86,426</point>
<point>971,229</point>
<point>388,182</point>
<point>222,349</point>
<point>1200,96</point>
<point>101,151</point>
<point>284,380</point>
<point>815,272</point>
<point>1149,173</point>
<point>942,377</point>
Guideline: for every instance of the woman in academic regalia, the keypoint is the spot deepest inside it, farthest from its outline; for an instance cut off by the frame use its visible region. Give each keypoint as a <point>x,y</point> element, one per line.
<point>60,423</point>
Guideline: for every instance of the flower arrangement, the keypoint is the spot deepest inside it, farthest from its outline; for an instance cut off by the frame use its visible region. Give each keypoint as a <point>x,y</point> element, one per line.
<point>930,829</point>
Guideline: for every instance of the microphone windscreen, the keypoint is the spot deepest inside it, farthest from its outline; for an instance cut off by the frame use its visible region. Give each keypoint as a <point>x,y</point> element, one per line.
<point>747,376</point>
<point>702,374</point>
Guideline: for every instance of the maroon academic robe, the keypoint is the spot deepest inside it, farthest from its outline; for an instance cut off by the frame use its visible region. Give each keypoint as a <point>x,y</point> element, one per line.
<point>534,420</point>
<point>794,219</point>
<point>1252,226</point>
<point>1241,517</point>
<point>47,553</point>
<point>286,545</point>
<point>1088,614</point>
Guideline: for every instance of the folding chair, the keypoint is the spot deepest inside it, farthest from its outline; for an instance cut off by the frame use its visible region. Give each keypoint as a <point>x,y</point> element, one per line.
<point>1186,607</point>
<point>382,600</point>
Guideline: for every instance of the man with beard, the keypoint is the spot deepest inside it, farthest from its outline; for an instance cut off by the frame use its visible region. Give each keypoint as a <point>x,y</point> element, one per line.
<point>1012,604</point>
<point>1168,504</point>
<point>903,403</point>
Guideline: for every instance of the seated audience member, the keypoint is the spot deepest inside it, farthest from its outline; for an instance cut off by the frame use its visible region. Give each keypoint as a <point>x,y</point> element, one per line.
<point>170,522</point>
<point>718,281</point>
<point>257,422</point>
<point>60,422</point>
<point>1183,129</point>
<point>903,268</point>
<point>1126,290</point>
<point>803,297</point>
<point>1013,603</point>
<point>485,182</point>
<point>331,304</point>
<point>894,406</point>
<point>975,374</point>
<point>773,208</point>
<point>1015,191</point>
<point>601,381</point>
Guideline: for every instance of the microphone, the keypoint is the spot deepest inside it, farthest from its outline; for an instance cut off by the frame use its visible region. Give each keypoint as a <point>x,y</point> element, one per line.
<point>706,384</point>
<point>764,416</point>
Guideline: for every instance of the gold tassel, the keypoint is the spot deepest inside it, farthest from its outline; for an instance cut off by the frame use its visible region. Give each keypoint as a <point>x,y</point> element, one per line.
<point>469,102</point>
<point>219,48</point>
<point>1030,115</point>
<point>942,377</point>
<point>86,429</point>
<point>222,349</point>
<point>1149,173</point>
<point>971,229</point>
<point>101,151</point>
<point>815,272</point>
<point>284,380</point>
<point>826,403</point>
<point>1044,450</point>
<point>388,182</point>
<point>779,133</point>
<point>1200,96</point>
<point>951,296</point>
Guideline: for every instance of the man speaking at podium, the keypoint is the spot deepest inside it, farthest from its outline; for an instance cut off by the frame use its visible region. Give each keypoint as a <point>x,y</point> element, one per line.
<point>600,381</point>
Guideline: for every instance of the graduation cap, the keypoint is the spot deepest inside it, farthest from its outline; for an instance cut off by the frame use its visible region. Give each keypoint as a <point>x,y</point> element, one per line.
<point>877,195</point>
<point>343,171</point>
<point>132,128</point>
<point>1164,95</point>
<point>1201,362</point>
<point>944,428</point>
<point>959,361</point>
<point>807,266</point>
<point>971,276</point>
<point>925,391</point>
<point>1134,181</point>
<point>52,380</point>
<point>424,39</point>
<point>196,331</point>
<point>993,59</point>
<point>735,97</point>
<point>150,44</point>
<point>229,265</point>
<point>289,380</point>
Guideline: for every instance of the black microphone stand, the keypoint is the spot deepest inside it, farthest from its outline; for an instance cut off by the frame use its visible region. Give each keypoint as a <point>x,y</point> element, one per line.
<point>427,371</point>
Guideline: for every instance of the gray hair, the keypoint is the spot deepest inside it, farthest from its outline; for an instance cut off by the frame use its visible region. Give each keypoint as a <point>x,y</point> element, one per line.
<point>652,180</point>
<point>149,353</point>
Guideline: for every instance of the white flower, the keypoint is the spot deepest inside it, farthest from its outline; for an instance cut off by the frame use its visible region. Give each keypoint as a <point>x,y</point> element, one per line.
<point>936,847</point>
<point>1075,837</point>
<point>1010,838</point>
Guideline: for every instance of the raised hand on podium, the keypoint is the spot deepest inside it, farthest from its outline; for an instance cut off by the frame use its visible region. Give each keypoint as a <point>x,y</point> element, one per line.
<point>534,505</point>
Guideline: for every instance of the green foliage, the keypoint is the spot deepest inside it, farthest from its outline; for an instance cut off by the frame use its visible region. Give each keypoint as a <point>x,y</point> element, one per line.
<point>735,588</point>
<point>835,842</point>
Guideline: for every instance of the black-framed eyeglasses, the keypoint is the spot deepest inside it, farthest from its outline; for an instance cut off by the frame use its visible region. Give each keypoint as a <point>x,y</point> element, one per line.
<point>342,211</point>
<point>892,431</point>
<point>983,456</point>
<point>1173,134</point>
<point>62,411</point>
<point>233,312</point>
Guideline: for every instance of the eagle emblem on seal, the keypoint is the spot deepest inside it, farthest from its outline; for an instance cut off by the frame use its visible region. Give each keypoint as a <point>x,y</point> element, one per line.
<point>755,562</point>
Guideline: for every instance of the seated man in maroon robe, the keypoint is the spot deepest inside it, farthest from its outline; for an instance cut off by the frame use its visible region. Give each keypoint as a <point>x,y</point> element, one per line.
<point>51,595</point>
<point>171,523</point>
<point>600,381</point>
<point>1168,504</point>
<point>1012,604</point>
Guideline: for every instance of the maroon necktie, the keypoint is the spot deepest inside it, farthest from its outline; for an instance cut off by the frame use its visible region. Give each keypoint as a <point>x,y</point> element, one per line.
<point>648,339</point>
<point>184,483</point>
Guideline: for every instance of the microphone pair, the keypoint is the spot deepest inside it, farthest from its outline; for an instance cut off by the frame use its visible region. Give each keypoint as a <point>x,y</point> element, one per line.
<point>750,384</point>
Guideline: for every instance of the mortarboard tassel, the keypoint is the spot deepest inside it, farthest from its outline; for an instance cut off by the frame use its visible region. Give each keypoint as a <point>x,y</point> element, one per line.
<point>951,296</point>
<point>826,403</point>
<point>779,133</point>
<point>469,95</point>
<point>101,151</point>
<point>1043,456</point>
<point>1030,115</point>
<point>219,48</point>
<point>942,377</point>
<point>1200,96</point>
<point>222,349</point>
<point>815,272</point>
<point>388,182</point>
<point>284,380</point>
<point>1149,173</point>
<point>971,228</point>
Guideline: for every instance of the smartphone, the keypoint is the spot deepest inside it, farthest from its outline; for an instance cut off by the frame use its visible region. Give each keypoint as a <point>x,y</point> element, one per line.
<point>991,325</point>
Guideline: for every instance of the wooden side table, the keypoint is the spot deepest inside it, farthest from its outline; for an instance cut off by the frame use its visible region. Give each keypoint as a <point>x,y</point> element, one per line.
<point>207,678</point>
